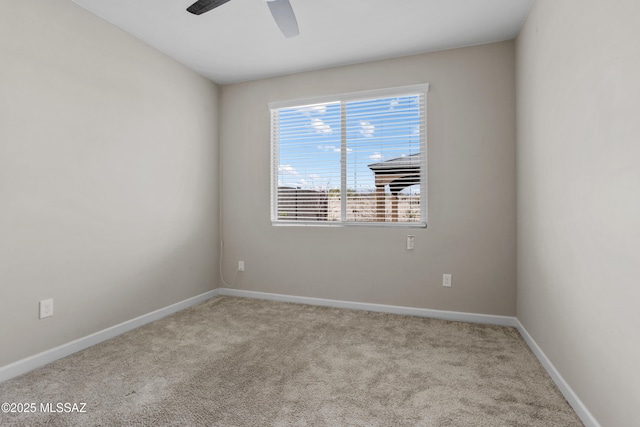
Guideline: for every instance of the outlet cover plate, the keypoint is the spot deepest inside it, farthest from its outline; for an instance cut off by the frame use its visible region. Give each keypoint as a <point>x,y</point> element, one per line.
<point>46,308</point>
<point>446,280</point>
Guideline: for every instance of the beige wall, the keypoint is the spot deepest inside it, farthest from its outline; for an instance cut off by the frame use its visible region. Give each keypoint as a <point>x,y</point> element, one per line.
<point>578,68</point>
<point>471,172</point>
<point>108,177</point>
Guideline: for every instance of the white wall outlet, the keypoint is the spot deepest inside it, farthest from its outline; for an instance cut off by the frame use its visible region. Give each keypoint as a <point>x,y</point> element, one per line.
<point>46,308</point>
<point>240,265</point>
<point>410,242</point>
<point>446,280</point>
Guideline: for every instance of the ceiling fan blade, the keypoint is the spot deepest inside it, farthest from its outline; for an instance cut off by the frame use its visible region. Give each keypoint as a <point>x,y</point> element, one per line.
<point>285,18</point>
<point>202,6</point>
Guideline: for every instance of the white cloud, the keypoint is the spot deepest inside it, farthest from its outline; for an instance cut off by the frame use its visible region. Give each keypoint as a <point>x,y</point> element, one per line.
<point>367,129</point>
<point>320,126</point>
<point>287,170</point>
<point>332,148</point>
<point>314,176</point>
<point>394,103</point>
<point>376,156</point>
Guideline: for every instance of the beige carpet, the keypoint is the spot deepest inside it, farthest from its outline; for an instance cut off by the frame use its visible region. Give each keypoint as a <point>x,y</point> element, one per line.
<point>244,362</point>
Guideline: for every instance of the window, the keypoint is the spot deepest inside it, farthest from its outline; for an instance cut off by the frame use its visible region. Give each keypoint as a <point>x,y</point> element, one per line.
<point>353,159</point>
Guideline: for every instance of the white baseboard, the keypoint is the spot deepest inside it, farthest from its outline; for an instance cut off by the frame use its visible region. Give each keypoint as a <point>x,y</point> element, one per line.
<point>587,417</point>
<point>30,363</point>
<point>381,308</point>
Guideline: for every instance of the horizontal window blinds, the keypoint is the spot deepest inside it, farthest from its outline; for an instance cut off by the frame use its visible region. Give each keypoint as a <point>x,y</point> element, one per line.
<point>357,159</point>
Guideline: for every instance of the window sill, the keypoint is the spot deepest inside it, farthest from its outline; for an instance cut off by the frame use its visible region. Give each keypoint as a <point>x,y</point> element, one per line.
<point>348,224</point>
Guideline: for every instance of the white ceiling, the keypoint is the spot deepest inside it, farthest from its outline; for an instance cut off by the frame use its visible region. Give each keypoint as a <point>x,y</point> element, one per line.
<point>240,41</point>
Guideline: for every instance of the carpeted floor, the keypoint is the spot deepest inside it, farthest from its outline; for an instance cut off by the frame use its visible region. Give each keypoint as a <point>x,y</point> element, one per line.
<point>245,362</point>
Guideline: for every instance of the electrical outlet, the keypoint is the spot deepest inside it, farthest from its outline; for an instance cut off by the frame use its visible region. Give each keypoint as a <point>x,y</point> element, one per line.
<point>240,265</point>
<point>410,242</point>
<point>46,308</point>
<point>446,280</point>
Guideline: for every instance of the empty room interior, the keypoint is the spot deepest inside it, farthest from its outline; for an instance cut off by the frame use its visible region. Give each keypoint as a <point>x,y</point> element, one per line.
<point>320,212</point>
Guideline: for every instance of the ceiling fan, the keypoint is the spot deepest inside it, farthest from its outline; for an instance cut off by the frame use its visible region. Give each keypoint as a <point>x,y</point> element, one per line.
<point>280,10</point>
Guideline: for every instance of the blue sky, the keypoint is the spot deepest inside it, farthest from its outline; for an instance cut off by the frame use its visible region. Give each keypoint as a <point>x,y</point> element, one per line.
<point>376,130</point>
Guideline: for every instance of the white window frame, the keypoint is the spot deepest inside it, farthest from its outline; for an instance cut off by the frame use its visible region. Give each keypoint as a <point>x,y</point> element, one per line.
<point>418,89</point>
